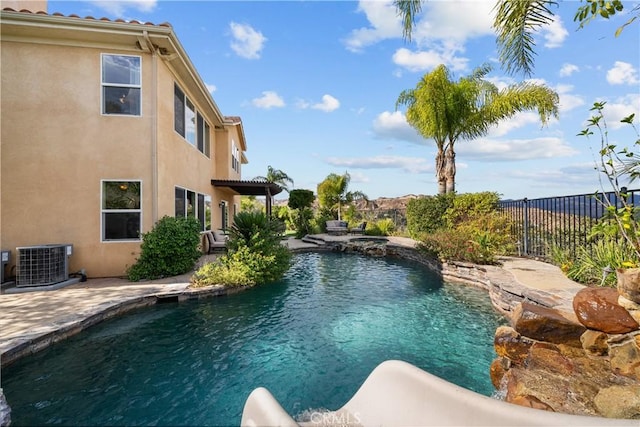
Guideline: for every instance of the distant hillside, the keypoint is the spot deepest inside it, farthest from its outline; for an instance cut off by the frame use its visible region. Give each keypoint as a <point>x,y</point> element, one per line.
<point>381,203</point>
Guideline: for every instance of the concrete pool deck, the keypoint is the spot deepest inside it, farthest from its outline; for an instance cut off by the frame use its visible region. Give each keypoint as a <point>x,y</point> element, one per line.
<point>31,321</point>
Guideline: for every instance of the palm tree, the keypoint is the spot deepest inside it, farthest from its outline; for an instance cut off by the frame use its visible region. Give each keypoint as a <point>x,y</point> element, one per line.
<point>333,194</point>
<point>516,22</point>
<point>276,176</point>
<point>446,111</point>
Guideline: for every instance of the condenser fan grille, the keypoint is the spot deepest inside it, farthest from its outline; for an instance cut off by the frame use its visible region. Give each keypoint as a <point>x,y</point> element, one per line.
<point>42,265</point>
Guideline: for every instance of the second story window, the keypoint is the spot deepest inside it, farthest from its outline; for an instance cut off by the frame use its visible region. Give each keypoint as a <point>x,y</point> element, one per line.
<point>235,157</point>
<point>189,123</point>
<point>121,84</point>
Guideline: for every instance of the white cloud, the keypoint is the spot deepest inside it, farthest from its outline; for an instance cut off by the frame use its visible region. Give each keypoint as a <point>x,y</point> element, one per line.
<point>568,101</point>
<point>118,7</point>
<point>358,178</point>
<point>554,34</point>
<point>576,175</point>
<point>394,126</point>
<point>328,104</point>
<point>439,32</point>
<point>211,88</point>
<point>622,73</point>
<point>407,164</point>
<point>484,149</point>
<point>382,17</point>
<point>454,21</point>
<point>269,99</point>
<point>247,42</point>
<point>427,60</point>
<point>517,121</point>
<point>619,109</point>
<point>568,69</point>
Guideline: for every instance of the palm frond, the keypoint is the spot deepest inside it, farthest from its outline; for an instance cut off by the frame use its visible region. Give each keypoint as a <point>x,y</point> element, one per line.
<point>408,10</point>
<point>516,21</point>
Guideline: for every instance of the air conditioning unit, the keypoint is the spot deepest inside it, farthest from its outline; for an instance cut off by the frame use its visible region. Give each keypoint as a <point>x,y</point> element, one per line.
<point>43,265</point>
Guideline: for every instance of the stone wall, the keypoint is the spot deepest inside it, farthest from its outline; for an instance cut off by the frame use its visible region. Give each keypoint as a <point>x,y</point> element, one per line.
<point>589,367</point>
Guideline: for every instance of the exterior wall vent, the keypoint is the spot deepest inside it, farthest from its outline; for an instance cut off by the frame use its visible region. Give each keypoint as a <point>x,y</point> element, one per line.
<point>43,265</point>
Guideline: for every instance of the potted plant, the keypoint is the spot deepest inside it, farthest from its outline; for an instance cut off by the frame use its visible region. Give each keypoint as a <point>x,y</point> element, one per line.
<point>620,167</point>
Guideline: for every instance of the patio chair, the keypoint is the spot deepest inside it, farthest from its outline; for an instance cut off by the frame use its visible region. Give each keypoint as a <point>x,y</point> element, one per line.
<point>359,229</point>
<point>216,240</point>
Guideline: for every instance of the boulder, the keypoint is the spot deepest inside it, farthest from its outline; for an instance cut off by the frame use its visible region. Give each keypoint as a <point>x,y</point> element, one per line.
<point>629,283</point>
<point>598,309</point>
<point>497,371</point>
<point>619,401</point>
<point>625,358</point>
<point>595,343</point>
<point>546,324</point>
<point>510,344</point>
<point>547,357</point>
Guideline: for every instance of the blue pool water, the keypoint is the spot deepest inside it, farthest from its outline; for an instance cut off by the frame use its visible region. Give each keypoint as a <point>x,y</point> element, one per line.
<point>311,339</point>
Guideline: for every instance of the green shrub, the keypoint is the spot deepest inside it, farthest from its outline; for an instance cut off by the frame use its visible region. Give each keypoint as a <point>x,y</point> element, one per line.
<point>458,245</point>
<point>426,214</point>
<point>588,266</point>
<point>491,228</point>
<point>319,223</point>
<point>302,221</point>
<point>244,267</point>
<point>382,227</point>
<point>469,207</point>
<point>254,254</point>
<point>169,249</point>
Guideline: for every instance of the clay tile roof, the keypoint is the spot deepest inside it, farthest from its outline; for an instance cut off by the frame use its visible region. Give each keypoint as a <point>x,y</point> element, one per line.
<point>73,15</point>
<point>234,119</point>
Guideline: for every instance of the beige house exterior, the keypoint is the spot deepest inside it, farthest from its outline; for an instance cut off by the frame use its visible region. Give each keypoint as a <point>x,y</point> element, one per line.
<point>106,127</point>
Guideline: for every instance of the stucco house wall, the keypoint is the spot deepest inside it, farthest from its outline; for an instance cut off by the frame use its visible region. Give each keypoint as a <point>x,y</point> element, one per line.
<point>57,146</point>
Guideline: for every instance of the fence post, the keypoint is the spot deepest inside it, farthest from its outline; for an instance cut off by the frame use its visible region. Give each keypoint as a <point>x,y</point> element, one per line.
<point>526,227</point>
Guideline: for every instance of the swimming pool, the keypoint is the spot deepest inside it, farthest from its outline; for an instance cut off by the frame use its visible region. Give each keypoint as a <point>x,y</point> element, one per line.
<point>311,339</point>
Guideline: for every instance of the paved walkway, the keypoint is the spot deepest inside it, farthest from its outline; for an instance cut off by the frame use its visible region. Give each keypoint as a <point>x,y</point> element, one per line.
<point>27,318</point>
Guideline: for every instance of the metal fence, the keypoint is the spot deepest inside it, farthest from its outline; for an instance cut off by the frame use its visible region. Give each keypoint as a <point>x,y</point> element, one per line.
<point>564,222</point>
<point>398,216</point>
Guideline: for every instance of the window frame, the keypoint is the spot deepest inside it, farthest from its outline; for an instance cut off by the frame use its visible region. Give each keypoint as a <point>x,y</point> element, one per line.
<point>199,203</point>
<point>105,211</point>
<point>104,85</point>
<point>235,157</point>
<point>183,109</point>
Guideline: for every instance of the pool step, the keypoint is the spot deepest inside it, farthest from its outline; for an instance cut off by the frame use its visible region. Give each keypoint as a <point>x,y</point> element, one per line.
<point>314,240</point>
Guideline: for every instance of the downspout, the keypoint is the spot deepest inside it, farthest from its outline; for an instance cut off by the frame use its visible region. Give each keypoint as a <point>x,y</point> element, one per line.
<point>154,128</point>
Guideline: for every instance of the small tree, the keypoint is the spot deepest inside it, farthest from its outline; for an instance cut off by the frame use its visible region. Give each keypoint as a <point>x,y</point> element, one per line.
<point>617,164</point>
<point>299,199</point>
<point>300,202</point>
<point>333,194</point>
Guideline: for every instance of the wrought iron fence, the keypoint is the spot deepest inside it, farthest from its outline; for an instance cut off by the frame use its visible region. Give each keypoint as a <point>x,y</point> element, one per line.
<point>564,222</point>
<point>398,216</point>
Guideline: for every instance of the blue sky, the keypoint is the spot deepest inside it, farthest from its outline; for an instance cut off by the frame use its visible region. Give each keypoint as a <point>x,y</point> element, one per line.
<point>315,83</point>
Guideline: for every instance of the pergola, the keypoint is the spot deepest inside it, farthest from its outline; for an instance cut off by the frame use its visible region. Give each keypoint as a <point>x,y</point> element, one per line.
<point>250,188</point>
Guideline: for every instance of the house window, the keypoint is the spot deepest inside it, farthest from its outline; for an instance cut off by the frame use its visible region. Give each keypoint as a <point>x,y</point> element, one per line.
<point>235,157</point>
<point>204,133</point>
<point>121,84</point>
<point>121,210</point>
<point>189,123</point>
<point>190,203</point>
